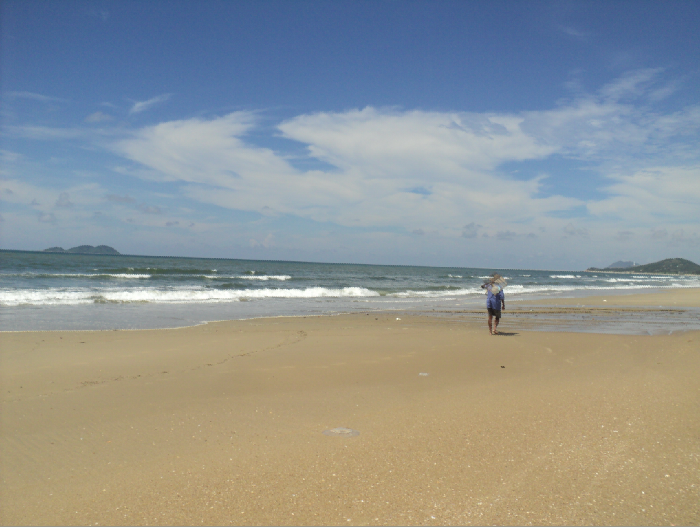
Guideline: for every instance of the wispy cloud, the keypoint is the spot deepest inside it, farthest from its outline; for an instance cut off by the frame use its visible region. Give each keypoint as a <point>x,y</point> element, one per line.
<point>141,106</point>
<point>506,235</point>
<point>471,230</point>
<point>624,236</point>
<point>573,32</point>
<point>98,117</point>
<point>149,209</point>
<point>631,84</point>
<point>115,198</point>
<point>43,132</point>
<point>33,96</point>
<point>572,230</point>
<point>102,14</point>
<point>643,195</point>
<point>7,156</point>
<point>45,217</point>
<point>64,201</point>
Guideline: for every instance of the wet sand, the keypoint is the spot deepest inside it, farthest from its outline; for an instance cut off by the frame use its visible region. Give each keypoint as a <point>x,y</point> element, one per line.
<point>658,313</point>
<point>689,297</point>
<point>223,424</point>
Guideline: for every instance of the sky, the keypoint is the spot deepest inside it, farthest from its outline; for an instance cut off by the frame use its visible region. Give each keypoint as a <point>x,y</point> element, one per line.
<point>516,134</point>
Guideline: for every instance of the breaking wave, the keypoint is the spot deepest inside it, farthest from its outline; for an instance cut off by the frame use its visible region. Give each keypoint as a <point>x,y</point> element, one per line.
<point>159,296</point>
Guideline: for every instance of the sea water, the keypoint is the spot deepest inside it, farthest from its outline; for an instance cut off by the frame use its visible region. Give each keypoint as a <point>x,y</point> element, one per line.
<point>49,291</point>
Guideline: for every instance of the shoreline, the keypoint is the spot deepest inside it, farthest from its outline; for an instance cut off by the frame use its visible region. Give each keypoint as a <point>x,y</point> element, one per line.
<point>570,311</point>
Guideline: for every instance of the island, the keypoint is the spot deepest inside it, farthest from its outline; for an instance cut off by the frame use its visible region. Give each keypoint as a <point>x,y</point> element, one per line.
<point>84,249</point>
<point>621,265</point>
<point>667,266</point>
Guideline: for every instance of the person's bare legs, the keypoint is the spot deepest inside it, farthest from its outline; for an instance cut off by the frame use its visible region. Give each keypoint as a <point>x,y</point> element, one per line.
<point>495,328</point>
<point>490,323</point>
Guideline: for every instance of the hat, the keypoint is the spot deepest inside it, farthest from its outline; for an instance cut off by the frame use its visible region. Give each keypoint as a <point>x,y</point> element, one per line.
<point>498,279</point>
<point>495,289</point>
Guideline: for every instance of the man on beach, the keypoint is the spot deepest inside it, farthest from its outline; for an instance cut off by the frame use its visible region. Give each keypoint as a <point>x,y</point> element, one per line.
<point>495,300</point>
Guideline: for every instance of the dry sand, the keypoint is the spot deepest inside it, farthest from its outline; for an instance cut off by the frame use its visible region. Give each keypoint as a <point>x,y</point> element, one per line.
<point>223,424</point>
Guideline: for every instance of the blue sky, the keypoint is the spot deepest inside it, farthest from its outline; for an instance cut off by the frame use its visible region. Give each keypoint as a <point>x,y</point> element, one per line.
<point>492,134</point>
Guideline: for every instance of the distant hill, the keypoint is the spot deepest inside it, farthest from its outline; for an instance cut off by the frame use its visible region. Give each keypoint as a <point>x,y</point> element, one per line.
<point>620,265</point>
<point>668,266</point>
<point>84,249</point>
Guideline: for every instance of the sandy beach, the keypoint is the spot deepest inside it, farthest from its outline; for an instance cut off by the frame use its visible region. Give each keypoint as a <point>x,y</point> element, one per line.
<point>223,423</point>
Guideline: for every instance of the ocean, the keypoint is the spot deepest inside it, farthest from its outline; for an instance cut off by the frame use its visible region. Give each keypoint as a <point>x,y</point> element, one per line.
<point>48,291</point>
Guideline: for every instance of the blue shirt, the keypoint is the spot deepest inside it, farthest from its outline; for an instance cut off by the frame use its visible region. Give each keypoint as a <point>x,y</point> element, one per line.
<point>494,301</point>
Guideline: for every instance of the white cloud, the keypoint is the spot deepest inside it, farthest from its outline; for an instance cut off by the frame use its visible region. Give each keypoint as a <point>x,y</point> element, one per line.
<point>397,144</point>
<point>19,192</point>
<point>602,128</point>
<point>645,195</point>
<point>67,202</point>
<point>378,155</point>
<point>141,106</point>
<point>413,172</point>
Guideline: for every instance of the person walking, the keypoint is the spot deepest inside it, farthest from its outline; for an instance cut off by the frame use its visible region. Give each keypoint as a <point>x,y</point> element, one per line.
<point>495,300</point>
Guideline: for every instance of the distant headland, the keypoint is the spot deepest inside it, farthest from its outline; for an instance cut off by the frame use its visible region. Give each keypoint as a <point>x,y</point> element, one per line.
<point>84,249</point>
<point>667,266</point>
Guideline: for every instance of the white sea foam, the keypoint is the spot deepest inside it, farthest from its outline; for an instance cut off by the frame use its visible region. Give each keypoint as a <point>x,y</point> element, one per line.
<point>281,277</point>
<point>152,295</point>
<point>519,289</point>
<point>262,278</point>
<point>45,297</point>
<point>437,294</point>
<point>125,275</point>
<point>637,279</point>
<point>79,275</point>
<point>564,276</point>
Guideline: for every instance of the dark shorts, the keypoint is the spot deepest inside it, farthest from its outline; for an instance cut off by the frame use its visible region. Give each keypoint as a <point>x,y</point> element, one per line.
<point>494,312</point>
